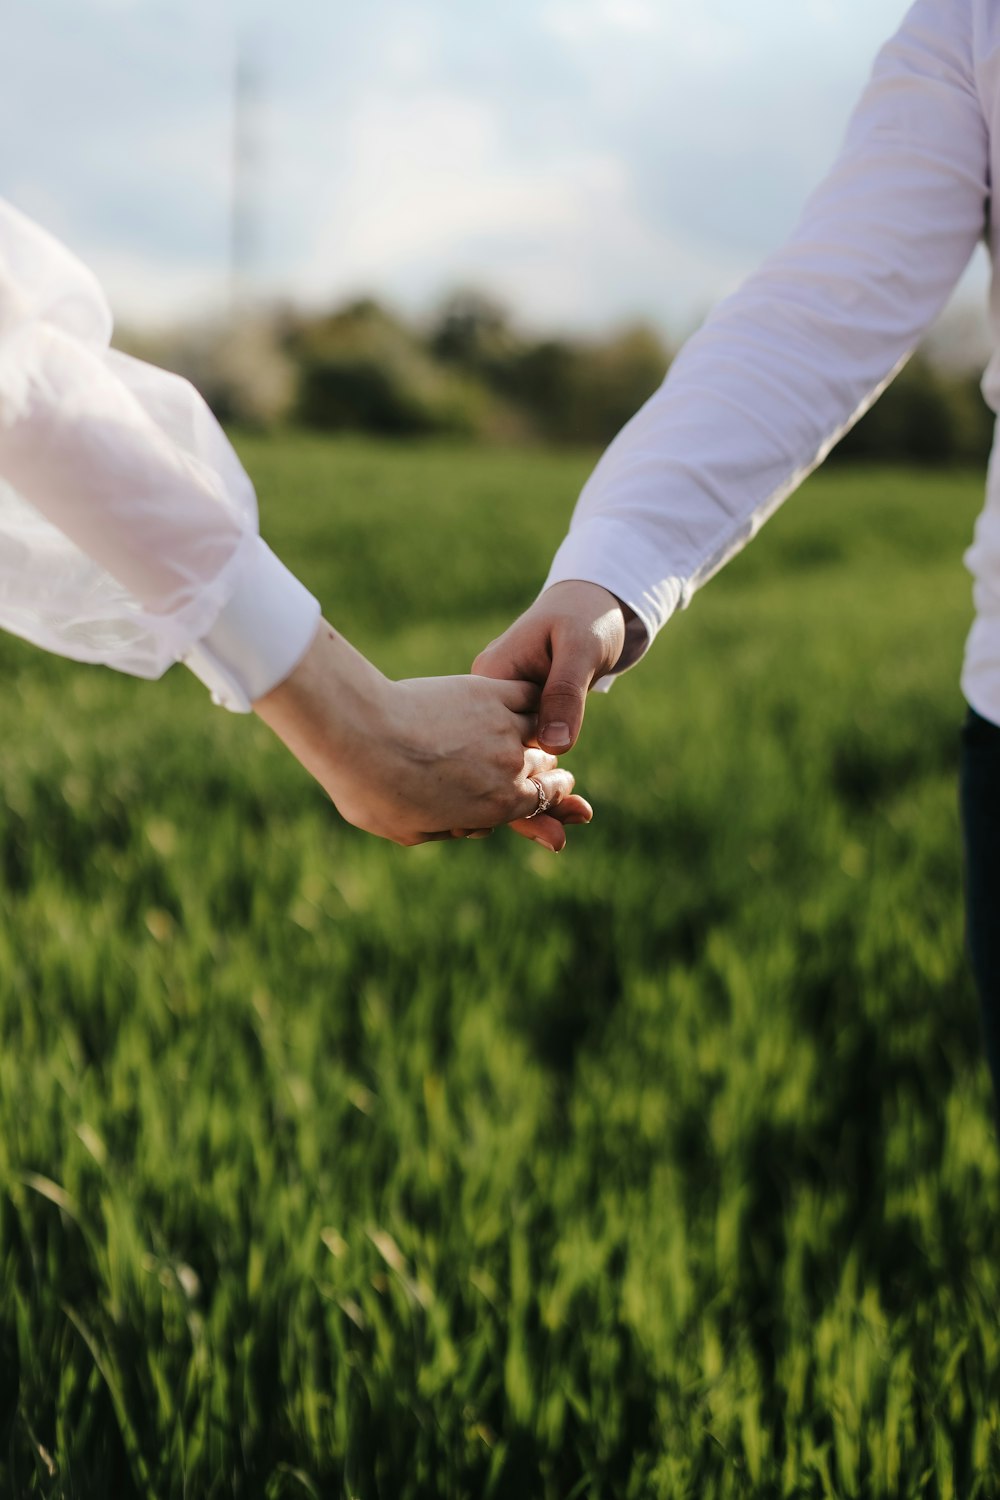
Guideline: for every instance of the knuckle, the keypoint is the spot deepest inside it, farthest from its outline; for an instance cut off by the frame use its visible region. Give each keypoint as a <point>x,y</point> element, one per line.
<point>511,763</point>
<point>501,807</point>
<point>489,658</point>
<point>564,687</point>
<point>539,760</point>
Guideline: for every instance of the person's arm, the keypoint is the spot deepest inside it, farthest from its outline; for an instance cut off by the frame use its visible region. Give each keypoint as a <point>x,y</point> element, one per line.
<point>127,523</point>
<point>129,536</point>
<point>778,373</point>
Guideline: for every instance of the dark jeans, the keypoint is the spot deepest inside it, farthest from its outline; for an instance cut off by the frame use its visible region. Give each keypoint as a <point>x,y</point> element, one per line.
<point>980,799</point>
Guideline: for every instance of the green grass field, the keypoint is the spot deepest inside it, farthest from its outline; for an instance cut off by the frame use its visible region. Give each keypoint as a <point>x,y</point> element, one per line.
<point>664,1168</point>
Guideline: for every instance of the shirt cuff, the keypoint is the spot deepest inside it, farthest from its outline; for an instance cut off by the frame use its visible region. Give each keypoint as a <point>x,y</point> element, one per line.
<point>259,637</point>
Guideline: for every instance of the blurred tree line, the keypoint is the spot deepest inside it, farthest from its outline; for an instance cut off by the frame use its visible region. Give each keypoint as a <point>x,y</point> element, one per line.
<point>468,372</point>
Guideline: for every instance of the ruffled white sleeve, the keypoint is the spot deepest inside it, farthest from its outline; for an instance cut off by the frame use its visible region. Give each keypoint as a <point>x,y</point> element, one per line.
<point>128,528</point>
<point>786,365</point>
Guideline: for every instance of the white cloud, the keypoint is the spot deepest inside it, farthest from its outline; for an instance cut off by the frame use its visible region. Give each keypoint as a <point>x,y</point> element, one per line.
<point>407,50</point>
<point>430,178</point>
<point>584,20</point>
<point>430,196</point>
<point>683,35</point>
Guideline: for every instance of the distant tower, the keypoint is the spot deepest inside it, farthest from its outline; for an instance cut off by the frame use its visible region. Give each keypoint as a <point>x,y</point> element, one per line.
<point>245,174</point>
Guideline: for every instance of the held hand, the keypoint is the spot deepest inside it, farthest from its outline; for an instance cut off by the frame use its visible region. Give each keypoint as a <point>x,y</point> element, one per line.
<point>573,634</point>
<point>425,759</point>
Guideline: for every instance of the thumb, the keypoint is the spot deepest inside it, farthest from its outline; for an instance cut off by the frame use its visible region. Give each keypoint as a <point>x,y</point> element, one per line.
<point>564,696</point>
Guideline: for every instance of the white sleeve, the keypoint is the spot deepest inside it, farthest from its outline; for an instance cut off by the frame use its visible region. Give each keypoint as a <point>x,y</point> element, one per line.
<point>786,365</point>
<point>128,528</point>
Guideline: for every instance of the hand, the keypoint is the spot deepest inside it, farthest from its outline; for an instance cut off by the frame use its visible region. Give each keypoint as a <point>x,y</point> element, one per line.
<point>430,758</point>
<point>573,634</point>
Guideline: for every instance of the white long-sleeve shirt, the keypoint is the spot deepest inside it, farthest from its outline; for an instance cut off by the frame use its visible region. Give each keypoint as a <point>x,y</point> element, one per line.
<point>128,528</point>
<point>782,368</point>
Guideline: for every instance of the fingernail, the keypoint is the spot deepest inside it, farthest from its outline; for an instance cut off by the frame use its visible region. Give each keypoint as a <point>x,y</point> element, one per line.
<point>546,846</point>
<point>556,736</point>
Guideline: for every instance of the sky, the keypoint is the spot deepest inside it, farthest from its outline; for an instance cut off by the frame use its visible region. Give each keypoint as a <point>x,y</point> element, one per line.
<point>586,161</point>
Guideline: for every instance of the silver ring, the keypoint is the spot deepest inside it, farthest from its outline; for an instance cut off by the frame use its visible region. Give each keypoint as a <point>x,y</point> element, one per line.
<point>544,801</point>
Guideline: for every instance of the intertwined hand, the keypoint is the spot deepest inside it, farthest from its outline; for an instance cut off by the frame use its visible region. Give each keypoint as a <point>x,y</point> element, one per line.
<point>428,758</point>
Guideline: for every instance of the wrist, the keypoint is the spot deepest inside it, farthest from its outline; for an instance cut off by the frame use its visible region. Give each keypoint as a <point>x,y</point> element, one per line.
<point>331,706</point>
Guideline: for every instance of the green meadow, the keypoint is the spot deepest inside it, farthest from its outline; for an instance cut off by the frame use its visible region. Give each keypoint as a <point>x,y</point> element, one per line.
<point>662,1168</point>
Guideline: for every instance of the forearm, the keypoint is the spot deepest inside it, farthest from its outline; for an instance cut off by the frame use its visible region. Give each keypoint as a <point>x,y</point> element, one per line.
<point>785,366</point>
<point>331,705</point>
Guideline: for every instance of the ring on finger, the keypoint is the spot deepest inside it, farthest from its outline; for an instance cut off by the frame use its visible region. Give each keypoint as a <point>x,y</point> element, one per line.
<point>544,800</point>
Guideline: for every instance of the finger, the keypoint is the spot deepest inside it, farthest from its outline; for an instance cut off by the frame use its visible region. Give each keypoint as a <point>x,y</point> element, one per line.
<point>499,660</point>
<point>470,833</point>
<point>546,828</point>
<point>573,809</point>
<point>564,697</point>
<point>543,829</point>
<point>490,663</point>
<point>521,798</point>
<point>529,728</point>
<point>537,762</point>
<point>556,784</point>
<point>521,697</point>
